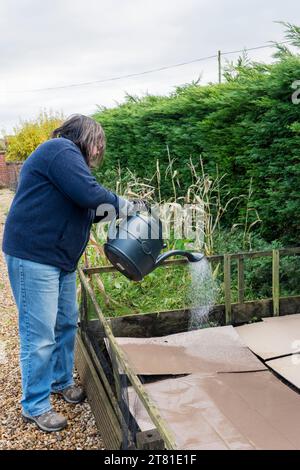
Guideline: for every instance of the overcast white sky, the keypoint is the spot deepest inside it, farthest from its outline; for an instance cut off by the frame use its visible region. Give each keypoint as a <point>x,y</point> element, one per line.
<point>61,42</point>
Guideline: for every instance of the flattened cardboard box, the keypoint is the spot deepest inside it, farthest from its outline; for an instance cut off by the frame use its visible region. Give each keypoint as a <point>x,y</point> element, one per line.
<point>288,367</point>
<point>205,351</point>
<point>294,316</point>
<point>272,338</point>
<point>225,411</point>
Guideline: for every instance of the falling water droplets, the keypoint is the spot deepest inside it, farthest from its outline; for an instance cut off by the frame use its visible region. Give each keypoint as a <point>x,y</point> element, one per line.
<point>202,293</point>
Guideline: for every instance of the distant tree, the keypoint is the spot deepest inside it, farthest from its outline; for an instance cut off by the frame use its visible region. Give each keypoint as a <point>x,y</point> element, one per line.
<point>29,134</point>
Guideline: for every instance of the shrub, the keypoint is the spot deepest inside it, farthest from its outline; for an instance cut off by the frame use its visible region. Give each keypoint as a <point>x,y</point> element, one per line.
<point>29,134</point>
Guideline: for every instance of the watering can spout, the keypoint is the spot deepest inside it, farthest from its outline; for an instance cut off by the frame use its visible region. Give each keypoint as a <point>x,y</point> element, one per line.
<point>191,256</point>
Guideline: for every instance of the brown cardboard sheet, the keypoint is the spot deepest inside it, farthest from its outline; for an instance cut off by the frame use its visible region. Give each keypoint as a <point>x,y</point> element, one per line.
<point>272,338</point>
<point>288,367</point>
<point>295,316</point>
<point>205,351</point>
<point>225,411</point>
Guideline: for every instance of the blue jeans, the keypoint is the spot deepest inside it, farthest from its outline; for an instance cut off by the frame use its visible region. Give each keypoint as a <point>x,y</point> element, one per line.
<point>48,316</point>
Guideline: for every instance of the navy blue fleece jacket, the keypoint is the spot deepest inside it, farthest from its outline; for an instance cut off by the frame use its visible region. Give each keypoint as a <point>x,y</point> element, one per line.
<point>54,207</point>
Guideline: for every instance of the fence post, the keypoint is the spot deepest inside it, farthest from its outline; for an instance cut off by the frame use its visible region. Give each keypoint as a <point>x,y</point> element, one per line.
<point>227,288</point>
<point>275,282</point>
<point>241,280</point>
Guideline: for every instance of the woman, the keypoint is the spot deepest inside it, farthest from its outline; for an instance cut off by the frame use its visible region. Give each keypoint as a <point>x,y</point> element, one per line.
<point>46,232</point>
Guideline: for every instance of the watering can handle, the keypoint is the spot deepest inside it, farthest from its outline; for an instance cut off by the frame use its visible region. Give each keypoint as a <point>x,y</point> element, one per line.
<point>112,227</point>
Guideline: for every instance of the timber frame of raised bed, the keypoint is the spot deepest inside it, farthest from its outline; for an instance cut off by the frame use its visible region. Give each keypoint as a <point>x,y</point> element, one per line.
<point>103,397</point>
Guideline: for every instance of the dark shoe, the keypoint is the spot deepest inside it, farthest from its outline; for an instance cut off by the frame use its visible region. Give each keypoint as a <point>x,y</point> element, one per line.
<point>72,394</point>
<point>48,422</point>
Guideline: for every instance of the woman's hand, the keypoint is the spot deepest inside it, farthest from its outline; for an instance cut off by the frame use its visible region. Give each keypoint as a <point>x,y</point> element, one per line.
<point>140,205</point>
<point>126,207</point>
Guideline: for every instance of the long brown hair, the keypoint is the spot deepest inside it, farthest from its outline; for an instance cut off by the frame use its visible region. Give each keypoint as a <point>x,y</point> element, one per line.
<point>86,133</point>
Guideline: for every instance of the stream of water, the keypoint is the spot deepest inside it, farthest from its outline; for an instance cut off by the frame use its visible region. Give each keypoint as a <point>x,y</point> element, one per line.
<point>202,293</point>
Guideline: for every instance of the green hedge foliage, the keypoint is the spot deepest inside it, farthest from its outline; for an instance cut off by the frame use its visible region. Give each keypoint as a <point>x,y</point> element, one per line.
<point>248,127</point>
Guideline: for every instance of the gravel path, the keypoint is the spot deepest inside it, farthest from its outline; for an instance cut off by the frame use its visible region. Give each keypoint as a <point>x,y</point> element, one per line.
<point>81,432</point>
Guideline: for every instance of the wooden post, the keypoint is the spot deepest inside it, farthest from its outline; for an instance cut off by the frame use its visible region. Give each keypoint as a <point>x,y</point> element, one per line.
<point>227,288</point>
<point>83,308</point>
<point>149,440</point>
<point>219,67</point>
<point>275,282</point>
<point>241,280</point>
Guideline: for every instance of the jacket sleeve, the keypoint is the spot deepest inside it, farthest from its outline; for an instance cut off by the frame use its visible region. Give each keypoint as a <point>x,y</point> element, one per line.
<point>69,172</point>
<point>106,213</point>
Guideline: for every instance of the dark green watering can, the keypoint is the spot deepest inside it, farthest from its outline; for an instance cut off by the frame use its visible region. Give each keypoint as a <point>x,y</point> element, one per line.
<point>134,244</point>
